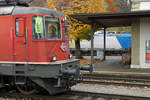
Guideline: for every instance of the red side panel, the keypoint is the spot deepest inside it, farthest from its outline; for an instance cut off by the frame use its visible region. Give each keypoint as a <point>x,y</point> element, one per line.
<point>44,51</point>
<point>5,38</point>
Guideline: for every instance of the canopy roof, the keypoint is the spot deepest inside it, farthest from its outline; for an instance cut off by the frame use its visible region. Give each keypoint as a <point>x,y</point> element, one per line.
<point>110,19</point>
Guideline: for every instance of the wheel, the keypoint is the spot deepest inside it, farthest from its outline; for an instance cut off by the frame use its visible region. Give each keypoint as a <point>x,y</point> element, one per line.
<point>26,90</point>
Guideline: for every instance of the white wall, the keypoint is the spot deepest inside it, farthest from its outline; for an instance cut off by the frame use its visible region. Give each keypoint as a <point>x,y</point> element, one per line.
<point>135,58</point>
<point>144,35</point>
<point>140,0</point>
<point>140,5</point>
<point>145,6</point>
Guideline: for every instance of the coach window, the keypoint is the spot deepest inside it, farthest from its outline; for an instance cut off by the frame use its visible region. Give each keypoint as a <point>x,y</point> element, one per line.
<point>52,25</point>
<point>37,31</point>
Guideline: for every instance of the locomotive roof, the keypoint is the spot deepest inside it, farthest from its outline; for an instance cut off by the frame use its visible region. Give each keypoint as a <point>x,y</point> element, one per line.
<point>11,10</point>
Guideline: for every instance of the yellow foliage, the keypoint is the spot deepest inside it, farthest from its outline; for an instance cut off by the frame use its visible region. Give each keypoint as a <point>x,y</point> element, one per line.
<point>76,6</point>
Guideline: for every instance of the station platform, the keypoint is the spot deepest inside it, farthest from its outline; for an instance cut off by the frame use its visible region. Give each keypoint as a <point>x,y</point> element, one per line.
<point>113,66</point>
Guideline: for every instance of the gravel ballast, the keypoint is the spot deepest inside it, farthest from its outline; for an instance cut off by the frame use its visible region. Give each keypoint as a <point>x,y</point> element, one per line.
<point>111,89</point>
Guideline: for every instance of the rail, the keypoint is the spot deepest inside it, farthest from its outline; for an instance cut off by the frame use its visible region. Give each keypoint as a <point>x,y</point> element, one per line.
<point>115,80</point>
<point>72,95</point>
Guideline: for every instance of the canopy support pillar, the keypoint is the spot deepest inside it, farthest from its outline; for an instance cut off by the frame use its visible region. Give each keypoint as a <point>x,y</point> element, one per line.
<point>104,50</point>
<point>92,49</point>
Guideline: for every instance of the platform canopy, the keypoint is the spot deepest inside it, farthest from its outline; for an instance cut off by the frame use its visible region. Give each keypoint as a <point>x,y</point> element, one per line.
<point>109,19</point>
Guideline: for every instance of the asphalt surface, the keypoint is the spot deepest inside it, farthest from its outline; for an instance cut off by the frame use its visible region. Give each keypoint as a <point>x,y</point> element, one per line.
<point>113,64</point>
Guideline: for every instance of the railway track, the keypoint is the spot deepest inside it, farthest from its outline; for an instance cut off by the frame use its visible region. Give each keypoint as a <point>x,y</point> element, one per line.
<point>116,80</point>
<point>95,96</point>
<point>17,96</point>
<point>90,79</point>
<point>72,95</point>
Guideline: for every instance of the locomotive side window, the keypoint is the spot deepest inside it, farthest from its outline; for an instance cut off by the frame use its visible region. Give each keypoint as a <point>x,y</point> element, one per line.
<point>38,31</point>
<point>16,27</point>
<point>20,26</point>
<point>52,25</point>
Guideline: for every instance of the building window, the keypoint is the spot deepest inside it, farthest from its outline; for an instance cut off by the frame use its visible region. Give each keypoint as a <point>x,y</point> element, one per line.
<point>53,31</point>
<point>38,31</point>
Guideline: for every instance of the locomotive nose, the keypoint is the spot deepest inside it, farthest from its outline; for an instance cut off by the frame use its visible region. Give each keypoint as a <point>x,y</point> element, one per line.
<point>75,71</point>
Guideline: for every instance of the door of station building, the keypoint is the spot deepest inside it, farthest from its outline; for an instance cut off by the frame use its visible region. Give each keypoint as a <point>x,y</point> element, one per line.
<point>20,39</point>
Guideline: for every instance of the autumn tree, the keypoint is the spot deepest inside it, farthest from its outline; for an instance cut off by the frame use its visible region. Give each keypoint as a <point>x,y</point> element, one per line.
<point>78,31</point>
<point>118,5</point>
<point>112,5</point>
<point>39,3</point>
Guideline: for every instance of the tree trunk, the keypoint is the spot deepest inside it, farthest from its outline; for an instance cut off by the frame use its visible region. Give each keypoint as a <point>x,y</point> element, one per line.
<point>77,51</point>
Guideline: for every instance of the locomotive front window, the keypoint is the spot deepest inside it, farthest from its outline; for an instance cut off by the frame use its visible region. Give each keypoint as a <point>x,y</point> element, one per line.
<point>66,34</point>
<point>38,31</point>
<point>52,25</point>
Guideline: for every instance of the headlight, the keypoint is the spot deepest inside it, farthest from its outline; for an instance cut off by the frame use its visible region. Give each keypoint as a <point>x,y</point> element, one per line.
<point>54,58</point>
<point>71,56</point>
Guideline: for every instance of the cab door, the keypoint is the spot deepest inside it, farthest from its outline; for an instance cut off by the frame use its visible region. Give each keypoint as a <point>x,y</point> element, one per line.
<point>20,39</point>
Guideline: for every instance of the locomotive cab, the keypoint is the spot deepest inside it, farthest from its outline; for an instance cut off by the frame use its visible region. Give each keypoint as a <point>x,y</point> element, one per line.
<point>40,38</point>
<point>35,50</point>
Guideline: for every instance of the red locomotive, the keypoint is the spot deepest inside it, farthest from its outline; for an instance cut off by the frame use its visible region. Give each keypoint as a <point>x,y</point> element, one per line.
<point>34,50</point>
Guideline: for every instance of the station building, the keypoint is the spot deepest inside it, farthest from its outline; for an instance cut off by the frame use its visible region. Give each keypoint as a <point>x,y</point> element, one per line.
<point>140,23</point>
